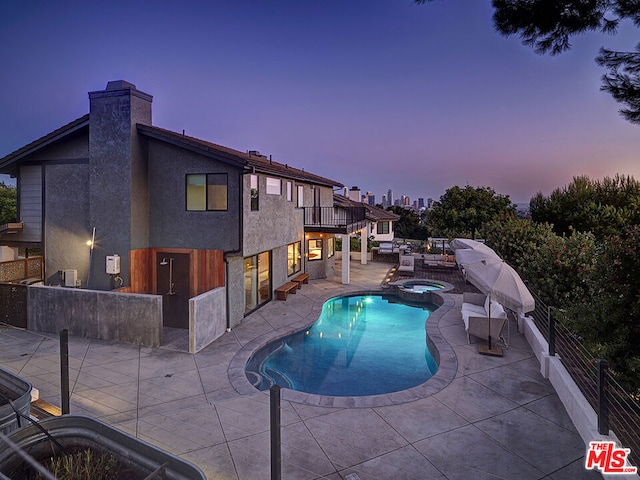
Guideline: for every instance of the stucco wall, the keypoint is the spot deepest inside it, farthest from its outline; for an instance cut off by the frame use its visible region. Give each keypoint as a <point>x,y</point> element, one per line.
<point>121,317</point>
<point>207,318</point>
<point>277,222</point>
<point>235,287</point>
<point>170,224</point>
<point>67,221</point>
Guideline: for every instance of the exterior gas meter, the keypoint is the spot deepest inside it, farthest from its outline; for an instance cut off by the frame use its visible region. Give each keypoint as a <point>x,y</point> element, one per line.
<point>113,264</point>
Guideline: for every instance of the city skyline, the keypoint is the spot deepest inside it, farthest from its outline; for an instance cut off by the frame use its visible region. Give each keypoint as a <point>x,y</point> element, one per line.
<point>383,93</point>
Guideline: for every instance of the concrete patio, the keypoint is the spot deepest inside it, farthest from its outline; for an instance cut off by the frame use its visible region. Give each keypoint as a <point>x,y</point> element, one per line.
<point>496,418</point>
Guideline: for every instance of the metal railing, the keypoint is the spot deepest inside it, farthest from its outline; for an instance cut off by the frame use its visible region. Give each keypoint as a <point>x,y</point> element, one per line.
<point>335,217</point>
<point>617,410</point>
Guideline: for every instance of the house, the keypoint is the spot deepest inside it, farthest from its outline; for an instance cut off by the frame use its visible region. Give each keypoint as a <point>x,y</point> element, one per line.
<point>119,205</point>
<point>378,222</point>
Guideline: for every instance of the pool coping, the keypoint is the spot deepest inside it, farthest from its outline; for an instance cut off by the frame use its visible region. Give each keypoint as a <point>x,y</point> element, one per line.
<point>446,359</point>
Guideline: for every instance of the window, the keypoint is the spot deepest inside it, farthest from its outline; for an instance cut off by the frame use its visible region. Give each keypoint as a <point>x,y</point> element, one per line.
<point>207,192</point>
<point>300,196</point>
<point>294,258</point>
<point>289,192</point>
<point>274,186</point>
<point>254,192</point>
<point>331,247</point>
<point>257,281</point>
<point>383,227</point>
<point>315,249</point>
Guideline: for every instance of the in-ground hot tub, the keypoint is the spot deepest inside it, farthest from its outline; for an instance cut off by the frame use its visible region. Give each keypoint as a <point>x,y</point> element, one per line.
<point>420,291</point>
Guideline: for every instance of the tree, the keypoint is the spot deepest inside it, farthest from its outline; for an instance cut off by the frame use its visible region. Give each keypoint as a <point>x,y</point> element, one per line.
<point>547,26</point>
<point>409,225</point>
<point>609,323</point>
<point>462,212</point>
<point>8,209</point>
<point>603,207</point>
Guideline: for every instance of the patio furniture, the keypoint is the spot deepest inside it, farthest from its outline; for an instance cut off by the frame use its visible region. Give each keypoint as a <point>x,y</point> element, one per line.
<point>476,316</point>
<point>286,289</point>
<point>407,263</point>
<point>300,279</point>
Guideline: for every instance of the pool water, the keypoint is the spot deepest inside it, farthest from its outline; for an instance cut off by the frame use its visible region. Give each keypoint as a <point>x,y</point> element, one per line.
<point>420,288</point>
<point>360,345</point>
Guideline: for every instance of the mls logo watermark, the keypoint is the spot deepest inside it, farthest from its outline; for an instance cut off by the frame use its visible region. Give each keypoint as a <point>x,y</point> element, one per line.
<point>608,458</point>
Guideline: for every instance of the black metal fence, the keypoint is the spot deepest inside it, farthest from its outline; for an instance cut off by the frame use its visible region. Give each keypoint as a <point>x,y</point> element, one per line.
<point>617,410</point>
<point>352,218</point>
<point>13,304</point>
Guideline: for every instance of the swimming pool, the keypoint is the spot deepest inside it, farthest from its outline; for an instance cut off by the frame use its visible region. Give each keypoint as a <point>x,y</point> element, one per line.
<point>361,345</point>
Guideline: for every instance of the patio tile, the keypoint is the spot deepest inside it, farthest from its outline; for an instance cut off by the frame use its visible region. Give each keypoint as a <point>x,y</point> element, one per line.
<point>405,463</point>
<point>529,436</point>
<point>469,453</point>
<point>421,419</point>
<point>513,384</point>
<point>472,400</point>
<point>351,437</point>
<point>215,462</point>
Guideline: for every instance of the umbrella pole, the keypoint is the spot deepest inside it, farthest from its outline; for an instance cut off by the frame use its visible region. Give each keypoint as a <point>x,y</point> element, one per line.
<point>487,350</point>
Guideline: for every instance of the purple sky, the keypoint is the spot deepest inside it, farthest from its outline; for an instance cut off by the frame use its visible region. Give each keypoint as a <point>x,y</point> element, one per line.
<point>375,93</point>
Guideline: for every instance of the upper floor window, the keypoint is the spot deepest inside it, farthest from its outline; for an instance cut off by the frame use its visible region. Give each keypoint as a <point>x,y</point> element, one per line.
<point>383,227</point>
<point>300,203</point>
<point>207,192</point>
<point>254,192</point>
<point>289,192</point>
<point>274,186</point>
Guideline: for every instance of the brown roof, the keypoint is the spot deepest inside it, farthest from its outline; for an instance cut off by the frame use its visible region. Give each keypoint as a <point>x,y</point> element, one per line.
<point>57,134</point>
<point>246,160</point>
<point>374,214</point>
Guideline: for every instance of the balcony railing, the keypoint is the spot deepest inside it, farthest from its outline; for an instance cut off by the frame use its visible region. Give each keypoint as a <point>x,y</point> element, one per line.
<point>25,268</point>
<point>334,220</point>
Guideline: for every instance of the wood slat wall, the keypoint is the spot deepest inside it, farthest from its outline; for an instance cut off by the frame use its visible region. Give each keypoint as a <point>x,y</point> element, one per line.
<point>206,267</point>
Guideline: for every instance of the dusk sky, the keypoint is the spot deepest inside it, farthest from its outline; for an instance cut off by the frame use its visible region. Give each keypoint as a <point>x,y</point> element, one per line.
<point>375,93</point>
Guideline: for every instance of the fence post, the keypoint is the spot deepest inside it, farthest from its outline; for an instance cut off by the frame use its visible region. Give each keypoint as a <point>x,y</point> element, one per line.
<point>552,333</point>
<point>276,454</point>
<point>603,399</point>
<point>64,370</point>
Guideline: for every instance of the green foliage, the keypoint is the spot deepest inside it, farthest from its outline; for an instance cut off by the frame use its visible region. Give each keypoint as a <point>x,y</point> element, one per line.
<point>8,209</point>
<point>409,224</point>
<point>463,212</point>
<point>603,207</point>
<point>609,323</point>
<point>558,268</point>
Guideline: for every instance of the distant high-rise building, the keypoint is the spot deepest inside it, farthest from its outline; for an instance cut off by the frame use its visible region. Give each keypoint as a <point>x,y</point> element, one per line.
<point>369,198</point>
<point>420,202</point>
<point>390,197</point>
<point>385,202</point>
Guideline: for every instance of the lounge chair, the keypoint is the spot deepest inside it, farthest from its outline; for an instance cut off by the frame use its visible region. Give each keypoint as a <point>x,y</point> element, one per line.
<point>475,315</point>
<point>406,263</point>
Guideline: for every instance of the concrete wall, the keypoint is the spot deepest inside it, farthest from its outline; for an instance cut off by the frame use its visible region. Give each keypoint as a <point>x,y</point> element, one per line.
<point>207,318</point>
<point>170,224</point>
<point>121,317</point>
<point>235,289</point>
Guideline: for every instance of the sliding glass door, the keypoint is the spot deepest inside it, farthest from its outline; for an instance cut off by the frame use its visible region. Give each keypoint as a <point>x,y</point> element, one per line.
<point>257,281</point>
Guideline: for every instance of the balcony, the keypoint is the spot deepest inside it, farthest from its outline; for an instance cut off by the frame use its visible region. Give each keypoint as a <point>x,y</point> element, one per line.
<point>337,220</point>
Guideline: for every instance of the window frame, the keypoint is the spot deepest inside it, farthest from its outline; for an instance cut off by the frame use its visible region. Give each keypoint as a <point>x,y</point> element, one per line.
<point>273,186</point>
<point>206,191</point>
<point>300,196</point>
<point>254,192</point>
<point>294,267</point>
<point>384,223</point>
<point>331,247</point>
<point>318,246</point>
